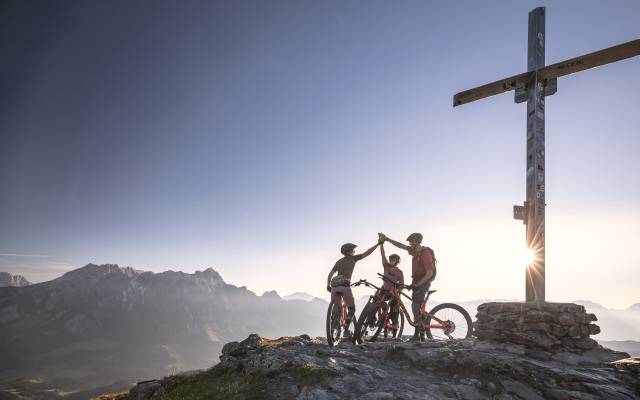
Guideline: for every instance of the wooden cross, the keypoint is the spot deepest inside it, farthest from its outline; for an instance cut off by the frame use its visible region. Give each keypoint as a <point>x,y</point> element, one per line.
<point>532,86</point>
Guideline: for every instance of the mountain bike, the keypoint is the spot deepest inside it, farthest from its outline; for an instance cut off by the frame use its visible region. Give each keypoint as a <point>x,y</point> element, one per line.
<point>444,321</point>
<point>337,320</point>
<point>380,321</point>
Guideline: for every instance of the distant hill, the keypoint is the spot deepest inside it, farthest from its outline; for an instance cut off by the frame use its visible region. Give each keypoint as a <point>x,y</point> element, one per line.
<point>299,296</point>
<point>590,305</point>
<point>634,307</point>
<point>103,323</point>
<point>628,346</point>
<point>7,279</point>
<point>616,325</point>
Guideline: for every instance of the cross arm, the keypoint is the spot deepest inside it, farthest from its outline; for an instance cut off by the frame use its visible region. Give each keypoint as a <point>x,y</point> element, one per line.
<point>491,89</point>
<point>577,64</point>
<point>591,60</point>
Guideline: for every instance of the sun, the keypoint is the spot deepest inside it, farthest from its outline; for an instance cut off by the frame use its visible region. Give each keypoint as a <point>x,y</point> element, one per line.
<point>527,256</point>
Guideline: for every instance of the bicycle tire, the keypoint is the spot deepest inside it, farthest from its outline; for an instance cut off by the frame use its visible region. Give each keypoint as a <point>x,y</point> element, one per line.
<point>363,322</point>
<point>331,340</point>
<point>456,309</point>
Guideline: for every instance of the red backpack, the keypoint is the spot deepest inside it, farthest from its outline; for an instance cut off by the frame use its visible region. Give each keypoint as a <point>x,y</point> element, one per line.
<point>435,261</point>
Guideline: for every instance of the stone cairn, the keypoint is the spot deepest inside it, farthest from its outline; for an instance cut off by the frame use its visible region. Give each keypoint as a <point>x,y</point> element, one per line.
<point>552,327</point>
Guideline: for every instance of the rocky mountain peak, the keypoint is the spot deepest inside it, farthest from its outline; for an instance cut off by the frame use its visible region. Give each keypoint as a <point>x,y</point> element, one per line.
<point>299,296</point>
<point>210,275</point>
<point>301,367</point>
<point>8,279</point>
<point>271,294</point>
<point>96,271</point>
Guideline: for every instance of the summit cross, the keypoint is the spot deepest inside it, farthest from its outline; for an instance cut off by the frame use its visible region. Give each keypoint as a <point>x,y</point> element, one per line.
<point>532,86</point>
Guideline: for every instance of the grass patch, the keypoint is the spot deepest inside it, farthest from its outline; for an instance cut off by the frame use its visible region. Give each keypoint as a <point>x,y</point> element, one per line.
<point>228,384</point>
<point>306,375</point>
<point>216,383</point>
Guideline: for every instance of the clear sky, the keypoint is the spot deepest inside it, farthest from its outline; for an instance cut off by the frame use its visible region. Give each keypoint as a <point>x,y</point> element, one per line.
<point>257,137</point>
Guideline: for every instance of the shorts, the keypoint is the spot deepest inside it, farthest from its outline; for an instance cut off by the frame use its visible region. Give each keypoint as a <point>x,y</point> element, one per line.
<point>345,292</point>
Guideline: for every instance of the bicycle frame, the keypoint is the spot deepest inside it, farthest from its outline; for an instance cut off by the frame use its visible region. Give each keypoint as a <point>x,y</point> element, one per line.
<point>380,296</point>
<point>423,311</point>
<point>343,312</point>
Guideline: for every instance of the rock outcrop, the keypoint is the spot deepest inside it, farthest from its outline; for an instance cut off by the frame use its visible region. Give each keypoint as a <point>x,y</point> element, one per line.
<point>13,280</point>
<point>548,327</point>
<point>304,368</point>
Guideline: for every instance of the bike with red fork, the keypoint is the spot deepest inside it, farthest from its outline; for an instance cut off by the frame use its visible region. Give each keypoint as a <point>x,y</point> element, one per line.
<point>445,321</point>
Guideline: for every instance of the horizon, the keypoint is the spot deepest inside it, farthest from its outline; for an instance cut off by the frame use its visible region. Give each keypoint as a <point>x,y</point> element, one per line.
<point>325,298</point>
<point>257,138</point>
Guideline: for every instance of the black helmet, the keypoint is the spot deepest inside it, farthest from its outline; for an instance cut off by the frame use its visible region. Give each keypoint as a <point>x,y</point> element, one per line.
<point>394,257</point>
<point>415,238</point>
<point>347,247</point>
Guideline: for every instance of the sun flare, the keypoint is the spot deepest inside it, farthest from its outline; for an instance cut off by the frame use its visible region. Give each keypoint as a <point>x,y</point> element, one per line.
<point>527,256</point>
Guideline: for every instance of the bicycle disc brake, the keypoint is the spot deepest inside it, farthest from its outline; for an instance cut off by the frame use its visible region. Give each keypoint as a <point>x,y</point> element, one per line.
<point>452,328</point>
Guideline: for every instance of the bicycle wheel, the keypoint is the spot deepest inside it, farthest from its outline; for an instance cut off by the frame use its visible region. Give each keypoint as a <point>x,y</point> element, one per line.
<point>334,330</point>
<point>370,322</point>
<point>456,322</point>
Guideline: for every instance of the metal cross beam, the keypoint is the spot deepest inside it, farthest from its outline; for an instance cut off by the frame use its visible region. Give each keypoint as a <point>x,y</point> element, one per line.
<point>532,86</point>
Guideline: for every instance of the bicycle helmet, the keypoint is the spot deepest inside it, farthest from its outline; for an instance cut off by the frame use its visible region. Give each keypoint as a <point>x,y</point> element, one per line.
<point>415,238</point>
<point>347,247</point>
<point>394,257</point>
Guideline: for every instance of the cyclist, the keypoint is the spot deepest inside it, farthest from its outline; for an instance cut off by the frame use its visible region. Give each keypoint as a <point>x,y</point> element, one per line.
<point>423,271</point>
<point>393,273</point>
<point>339,285</point>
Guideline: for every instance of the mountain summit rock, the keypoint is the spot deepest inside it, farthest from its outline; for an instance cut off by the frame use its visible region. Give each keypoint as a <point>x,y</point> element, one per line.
<point>468,369</point>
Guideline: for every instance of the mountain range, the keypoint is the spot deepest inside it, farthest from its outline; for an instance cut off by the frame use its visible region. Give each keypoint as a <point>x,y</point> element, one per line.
<point>101,324</point>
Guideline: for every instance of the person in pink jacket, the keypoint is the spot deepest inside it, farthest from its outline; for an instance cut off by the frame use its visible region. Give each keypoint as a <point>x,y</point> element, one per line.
<point>395,275</point>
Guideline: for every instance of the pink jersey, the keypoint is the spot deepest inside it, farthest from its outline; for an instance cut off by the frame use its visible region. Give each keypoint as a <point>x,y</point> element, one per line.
<point>394,274</point>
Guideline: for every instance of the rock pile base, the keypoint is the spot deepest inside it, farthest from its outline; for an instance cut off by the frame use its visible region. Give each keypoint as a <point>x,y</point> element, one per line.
<point>552,327</point>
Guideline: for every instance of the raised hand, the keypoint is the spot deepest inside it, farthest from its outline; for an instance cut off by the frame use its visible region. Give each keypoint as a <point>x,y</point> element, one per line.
<point>381,237</point>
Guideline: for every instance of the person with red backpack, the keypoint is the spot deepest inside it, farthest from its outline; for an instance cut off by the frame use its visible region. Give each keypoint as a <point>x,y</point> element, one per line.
<point>423,272</point>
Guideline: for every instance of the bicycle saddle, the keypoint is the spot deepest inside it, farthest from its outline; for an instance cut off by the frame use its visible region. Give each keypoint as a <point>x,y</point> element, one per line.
<point>432,291</point>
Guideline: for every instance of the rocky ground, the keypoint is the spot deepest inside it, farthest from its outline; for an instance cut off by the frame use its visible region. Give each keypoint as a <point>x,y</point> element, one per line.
<point>304,368</point>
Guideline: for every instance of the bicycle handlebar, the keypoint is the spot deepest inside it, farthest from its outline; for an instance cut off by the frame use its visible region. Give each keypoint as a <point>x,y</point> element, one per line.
<point>366,283</point>
<point>396,284</point>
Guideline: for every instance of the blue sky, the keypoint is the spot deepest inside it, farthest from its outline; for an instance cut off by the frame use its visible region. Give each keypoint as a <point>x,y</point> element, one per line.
<point>256,137</point>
